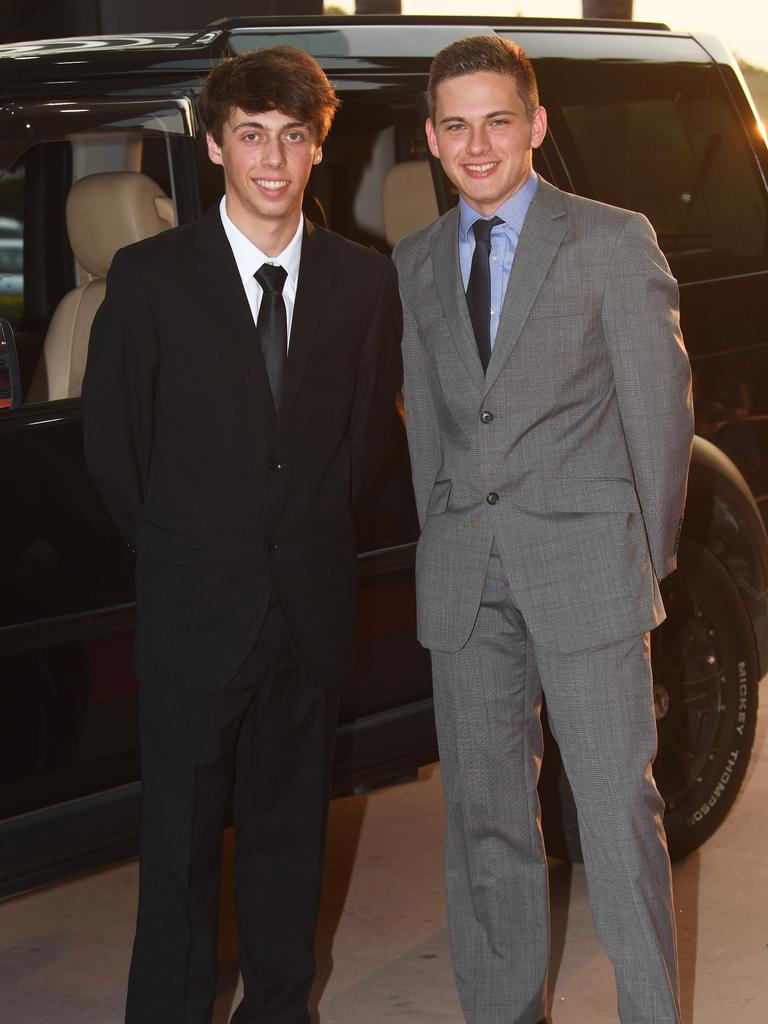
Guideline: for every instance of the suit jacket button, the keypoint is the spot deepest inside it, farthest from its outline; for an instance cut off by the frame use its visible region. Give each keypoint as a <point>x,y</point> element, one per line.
<point>493,498</point>
<point>486,417</point>
<point>270,546</point>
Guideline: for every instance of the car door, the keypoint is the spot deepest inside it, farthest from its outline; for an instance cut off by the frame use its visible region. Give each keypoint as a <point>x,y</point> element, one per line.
<point>67,692</point>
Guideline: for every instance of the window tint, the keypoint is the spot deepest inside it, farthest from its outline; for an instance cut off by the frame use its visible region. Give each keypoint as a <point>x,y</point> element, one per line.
<point>371,136</point>
<point>352,191</point>
<point>38,269</point>
<point>667,141</point>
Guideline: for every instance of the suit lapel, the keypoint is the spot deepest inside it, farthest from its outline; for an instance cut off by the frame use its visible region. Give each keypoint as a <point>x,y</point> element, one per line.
<point>226,296</point>
<point>311,297</point>
<point>450,288</point>
<point>543,231</point>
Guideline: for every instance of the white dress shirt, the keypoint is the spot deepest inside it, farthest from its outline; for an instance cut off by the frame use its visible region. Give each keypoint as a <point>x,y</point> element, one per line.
<point>249,258</point>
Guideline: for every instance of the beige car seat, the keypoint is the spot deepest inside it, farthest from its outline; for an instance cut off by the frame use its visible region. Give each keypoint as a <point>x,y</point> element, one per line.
<point>408,199</point>
<point>104,213</point>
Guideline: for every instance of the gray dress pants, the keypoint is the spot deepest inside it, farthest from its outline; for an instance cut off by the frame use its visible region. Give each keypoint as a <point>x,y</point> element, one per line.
<point>600,706</point>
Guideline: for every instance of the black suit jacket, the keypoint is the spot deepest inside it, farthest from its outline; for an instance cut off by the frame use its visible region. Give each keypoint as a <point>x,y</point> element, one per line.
<point>223,499</point>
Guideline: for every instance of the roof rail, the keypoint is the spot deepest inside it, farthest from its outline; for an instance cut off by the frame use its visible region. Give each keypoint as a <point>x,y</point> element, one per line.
<point>222,26</point>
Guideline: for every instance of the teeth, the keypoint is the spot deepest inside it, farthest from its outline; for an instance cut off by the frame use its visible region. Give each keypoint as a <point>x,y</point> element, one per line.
<point>480,167</point>
<point>273,186</point>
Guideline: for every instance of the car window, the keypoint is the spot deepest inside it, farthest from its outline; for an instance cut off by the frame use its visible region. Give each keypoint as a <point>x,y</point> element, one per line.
<point>12,246</point>
<point>664,140</point>
<point>11,260</point>
<point>47,292</point>
<point>357,191</point>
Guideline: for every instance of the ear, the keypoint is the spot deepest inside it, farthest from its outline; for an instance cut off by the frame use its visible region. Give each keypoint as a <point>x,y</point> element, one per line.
<point>318,156</point>
<point>538,127</point>
<point>214,150</point>
<point>429,128</point>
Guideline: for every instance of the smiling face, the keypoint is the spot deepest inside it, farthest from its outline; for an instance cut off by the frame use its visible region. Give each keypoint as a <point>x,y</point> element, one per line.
<point>483,137</point>
<point>267,159</point>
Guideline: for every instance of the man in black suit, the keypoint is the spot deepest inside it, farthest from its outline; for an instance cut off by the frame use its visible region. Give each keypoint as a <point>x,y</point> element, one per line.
<point>233,471</point>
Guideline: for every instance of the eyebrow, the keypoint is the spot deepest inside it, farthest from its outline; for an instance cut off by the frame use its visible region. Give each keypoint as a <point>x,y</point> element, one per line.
<point>493,113</point>
<point>258,124</point>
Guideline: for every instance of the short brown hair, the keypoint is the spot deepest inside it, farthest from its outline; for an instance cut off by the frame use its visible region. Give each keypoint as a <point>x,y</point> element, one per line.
<point>280,78</point>
<point>484,53</point>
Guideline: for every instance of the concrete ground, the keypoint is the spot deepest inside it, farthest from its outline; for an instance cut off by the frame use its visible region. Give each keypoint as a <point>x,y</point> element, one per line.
<point>383,948</point>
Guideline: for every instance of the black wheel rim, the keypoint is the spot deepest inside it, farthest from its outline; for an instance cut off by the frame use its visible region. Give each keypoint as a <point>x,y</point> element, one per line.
<point>689,680</point>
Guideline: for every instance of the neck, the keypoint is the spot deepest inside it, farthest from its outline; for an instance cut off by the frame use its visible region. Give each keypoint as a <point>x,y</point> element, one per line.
<point>271,236</point>
<point>486,210</point>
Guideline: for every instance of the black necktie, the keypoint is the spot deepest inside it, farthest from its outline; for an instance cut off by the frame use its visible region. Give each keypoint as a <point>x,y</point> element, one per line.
<point>272,326</point>
<point>479,287</point>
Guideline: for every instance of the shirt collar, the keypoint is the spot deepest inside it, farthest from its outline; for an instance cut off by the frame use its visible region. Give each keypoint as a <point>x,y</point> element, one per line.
<point>512,212</point>
<point>249,257</point>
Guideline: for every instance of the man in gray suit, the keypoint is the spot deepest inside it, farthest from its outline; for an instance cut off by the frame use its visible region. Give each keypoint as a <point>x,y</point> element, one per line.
<point>548,408</point>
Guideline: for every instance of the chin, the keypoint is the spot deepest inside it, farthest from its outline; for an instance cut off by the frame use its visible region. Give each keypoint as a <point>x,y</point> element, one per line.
<point>484,200</point>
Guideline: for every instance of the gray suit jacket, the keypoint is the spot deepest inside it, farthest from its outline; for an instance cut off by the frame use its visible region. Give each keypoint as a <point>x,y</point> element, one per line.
<point>588,446</point>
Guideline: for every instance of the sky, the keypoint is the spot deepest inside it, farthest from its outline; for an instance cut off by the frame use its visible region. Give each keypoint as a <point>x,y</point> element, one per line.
<point>744,27</point>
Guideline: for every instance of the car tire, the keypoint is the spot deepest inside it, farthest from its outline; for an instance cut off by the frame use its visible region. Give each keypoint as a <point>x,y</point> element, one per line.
<point>706,679</point>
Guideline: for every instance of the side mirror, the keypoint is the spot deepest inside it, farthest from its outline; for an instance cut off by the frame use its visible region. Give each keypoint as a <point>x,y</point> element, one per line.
<point>10,378</point>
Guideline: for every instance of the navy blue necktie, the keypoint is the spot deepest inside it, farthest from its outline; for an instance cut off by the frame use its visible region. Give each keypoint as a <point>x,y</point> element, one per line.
<point>479,287</point>
<point>272,326</point>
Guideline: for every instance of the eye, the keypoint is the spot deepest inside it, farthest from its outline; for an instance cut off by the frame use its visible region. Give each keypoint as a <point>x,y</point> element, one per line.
<point>455,128</point>
<point>295,136</point>
<point>250,137</point>
<point>499,122</point>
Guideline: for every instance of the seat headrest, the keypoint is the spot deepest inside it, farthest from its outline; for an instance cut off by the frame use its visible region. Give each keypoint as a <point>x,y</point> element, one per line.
<point>408,199</point>
<point>110,210</point>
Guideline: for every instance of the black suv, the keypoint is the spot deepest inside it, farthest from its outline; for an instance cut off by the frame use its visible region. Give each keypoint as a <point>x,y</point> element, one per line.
<point>640,116</point>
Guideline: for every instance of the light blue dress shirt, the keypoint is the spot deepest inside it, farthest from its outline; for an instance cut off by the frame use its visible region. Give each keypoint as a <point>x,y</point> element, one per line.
<point>504,239</point>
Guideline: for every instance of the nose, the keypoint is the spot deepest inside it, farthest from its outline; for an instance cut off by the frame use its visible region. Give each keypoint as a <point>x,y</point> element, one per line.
<point>272,154</point>
<point>478,141</point>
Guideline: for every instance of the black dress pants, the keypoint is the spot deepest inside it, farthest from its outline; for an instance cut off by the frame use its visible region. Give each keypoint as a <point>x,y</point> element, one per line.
<point>266,740</point>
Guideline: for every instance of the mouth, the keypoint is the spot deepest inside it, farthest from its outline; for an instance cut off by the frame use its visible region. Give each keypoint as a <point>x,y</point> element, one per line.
<point>272,184</point>
<point>480,170</point>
